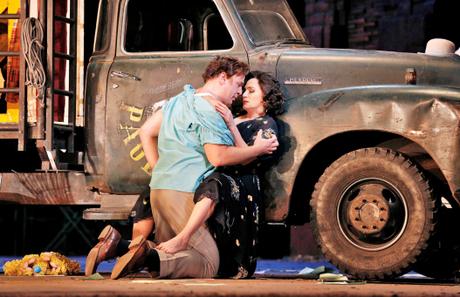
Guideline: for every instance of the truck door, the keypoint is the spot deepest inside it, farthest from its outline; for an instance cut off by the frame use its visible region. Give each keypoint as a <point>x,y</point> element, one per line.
<point>161,46</point>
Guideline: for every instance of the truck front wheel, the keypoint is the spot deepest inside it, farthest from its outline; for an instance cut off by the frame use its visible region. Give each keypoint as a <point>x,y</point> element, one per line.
<point>373,213</point>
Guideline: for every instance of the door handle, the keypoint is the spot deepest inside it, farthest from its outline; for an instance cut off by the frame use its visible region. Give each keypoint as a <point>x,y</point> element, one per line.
<point>124,75</point>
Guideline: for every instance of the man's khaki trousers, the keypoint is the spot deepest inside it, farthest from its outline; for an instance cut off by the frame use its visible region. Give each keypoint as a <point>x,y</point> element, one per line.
<point>171,210</point>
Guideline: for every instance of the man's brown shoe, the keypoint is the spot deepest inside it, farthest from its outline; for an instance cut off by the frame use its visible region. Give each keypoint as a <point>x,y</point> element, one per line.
<point>132,261</point>
<point>105,249</point>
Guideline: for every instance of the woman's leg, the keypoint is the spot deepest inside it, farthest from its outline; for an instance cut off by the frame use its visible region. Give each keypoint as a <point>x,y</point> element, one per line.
<point>143,227</point>
<point>172,210</point>
<point>200,213</point>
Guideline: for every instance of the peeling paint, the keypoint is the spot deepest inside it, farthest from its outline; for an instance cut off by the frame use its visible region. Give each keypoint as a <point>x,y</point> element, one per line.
<point>328,103</point>
<point>419,134</point>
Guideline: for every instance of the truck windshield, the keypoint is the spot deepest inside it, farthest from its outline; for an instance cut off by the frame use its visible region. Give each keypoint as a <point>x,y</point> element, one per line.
<point>268,21</point>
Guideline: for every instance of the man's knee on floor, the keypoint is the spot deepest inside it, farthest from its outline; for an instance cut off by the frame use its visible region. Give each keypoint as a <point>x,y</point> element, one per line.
<point>188,263</point>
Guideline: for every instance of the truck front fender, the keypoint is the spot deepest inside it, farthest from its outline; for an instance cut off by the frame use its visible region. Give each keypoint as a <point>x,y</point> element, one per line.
<point>428,116</point>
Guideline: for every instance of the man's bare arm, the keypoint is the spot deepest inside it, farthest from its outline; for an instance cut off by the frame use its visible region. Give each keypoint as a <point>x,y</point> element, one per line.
<point>223,155</point>
<point>149,137</point>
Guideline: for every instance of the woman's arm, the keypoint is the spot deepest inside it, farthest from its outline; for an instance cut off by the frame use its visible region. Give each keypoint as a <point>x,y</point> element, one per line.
<point>227,115</point>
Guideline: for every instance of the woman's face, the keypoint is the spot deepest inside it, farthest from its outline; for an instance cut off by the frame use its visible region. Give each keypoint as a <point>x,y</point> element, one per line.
<point>253,97</point>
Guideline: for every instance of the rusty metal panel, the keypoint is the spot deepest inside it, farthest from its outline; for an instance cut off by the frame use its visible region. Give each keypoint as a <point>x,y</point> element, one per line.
<point>47,188</point>
<point>365,76</point>
<point>96,97</point>
<point>427,116</point>
<point>308,70</point>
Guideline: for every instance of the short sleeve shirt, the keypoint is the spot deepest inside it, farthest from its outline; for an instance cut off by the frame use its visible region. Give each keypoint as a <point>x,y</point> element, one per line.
<point>189,122</point>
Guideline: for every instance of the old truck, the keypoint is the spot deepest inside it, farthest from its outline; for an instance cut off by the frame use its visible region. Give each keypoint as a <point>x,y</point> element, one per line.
<point>370,140</point>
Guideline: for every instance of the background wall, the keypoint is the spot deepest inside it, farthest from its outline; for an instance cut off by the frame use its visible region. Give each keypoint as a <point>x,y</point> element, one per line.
<point>400,25</point>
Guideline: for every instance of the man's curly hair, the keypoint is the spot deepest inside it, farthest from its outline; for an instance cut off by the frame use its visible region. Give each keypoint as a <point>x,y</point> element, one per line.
<point>229,65</point>
<point>273,97</point>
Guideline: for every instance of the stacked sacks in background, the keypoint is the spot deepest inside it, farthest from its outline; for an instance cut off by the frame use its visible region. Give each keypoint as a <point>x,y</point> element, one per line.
<point>47,263</point>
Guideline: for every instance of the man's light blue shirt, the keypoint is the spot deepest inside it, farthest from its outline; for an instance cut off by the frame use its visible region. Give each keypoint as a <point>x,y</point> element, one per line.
<point>189,122</point>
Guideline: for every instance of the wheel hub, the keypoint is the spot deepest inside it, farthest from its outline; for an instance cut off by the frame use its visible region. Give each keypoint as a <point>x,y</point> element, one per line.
<point>372,214</point>
<point>368,213</point>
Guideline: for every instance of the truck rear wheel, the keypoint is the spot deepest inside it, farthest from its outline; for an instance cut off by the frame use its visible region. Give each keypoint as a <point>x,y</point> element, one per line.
<point>373,213</point>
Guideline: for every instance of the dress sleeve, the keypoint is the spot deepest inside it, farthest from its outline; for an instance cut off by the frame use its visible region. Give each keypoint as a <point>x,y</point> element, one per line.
<point>208,188</point>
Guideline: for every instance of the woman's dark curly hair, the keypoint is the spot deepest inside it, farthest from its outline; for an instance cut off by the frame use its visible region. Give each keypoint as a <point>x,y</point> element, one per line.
<point>273,98</point>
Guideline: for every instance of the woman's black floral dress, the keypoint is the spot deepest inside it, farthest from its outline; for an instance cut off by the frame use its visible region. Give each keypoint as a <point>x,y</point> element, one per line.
<point>236,189</point>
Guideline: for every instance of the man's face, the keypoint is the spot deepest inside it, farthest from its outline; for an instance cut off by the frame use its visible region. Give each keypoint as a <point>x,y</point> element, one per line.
<point>232,88</point>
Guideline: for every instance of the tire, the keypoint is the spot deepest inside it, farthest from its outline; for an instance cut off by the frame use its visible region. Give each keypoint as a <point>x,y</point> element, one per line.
<point>373,213</point>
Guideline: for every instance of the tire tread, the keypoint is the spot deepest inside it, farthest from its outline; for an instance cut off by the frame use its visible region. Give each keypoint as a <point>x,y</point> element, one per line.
<point>425,187</point>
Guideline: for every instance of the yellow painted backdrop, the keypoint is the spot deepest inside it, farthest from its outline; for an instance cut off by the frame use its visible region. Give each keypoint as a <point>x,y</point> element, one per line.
<point>12,7</point>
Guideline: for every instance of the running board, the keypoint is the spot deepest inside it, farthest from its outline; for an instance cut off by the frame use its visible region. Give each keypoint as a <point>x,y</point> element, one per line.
<point>107,214</point>
<point>113,208</point>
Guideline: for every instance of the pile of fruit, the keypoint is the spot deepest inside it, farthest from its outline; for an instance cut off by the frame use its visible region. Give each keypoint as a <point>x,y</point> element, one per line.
<point>47,263</point>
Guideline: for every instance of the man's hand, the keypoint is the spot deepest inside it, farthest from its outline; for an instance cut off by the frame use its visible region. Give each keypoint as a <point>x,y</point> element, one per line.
<point>266,145</point>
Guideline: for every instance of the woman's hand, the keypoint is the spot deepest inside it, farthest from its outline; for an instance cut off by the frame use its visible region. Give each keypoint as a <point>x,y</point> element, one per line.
<point>266,145</point>
<point>226,114</point>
